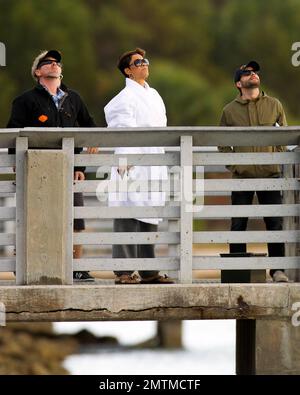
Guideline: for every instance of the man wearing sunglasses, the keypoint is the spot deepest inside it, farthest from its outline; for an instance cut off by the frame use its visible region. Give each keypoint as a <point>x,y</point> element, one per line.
<point>253,107</point>
<point>51,104</point>
<point>137,105</point>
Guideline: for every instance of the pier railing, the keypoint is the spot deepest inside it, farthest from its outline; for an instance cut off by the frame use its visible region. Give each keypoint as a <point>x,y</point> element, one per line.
<point>44,187</point>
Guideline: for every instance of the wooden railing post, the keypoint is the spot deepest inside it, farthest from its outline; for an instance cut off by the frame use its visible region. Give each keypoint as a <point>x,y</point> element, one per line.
<point>21,149</point>
<point>68,149</point>
<point>186,210</point>
<point>173,249</point>
<point>289,198</point>
<point>44,214</point>
<point>296,273</point>
<point>292,223</point>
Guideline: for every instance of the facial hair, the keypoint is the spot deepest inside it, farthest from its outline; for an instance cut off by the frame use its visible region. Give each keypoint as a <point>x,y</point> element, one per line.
<point>250,84</point>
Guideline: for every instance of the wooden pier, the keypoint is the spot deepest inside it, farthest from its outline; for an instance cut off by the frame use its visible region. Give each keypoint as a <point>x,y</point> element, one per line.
<point>266,313</point>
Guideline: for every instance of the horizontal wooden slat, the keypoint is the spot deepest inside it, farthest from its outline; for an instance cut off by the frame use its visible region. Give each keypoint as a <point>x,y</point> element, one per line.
<point>198,237</point>
<point>252,184</point>
<point>199,186</point>
<point>275,236</point>
<point>7,186</point>
<point>215,263</point>
<point>107,160</point>
<point>7,160</point>
<point>7,264</point>
<point>7,213</point>
<point>126,212</point>
<point>243,158</point>
<point>126,238</point>
<point>156,137</point>
<point>8,137</point>
<point>103,186</point>
<point>7,239</point>
<point>226,211</point>
<point>265,210</point>
<point>171,263</point>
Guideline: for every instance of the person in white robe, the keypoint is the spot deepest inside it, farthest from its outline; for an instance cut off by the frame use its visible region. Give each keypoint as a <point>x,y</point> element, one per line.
<point>137,105</point>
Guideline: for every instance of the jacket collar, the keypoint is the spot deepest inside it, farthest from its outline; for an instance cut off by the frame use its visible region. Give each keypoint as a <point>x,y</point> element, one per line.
<point>239,99</point>
<point>135,85</point>
<point>40,88</point>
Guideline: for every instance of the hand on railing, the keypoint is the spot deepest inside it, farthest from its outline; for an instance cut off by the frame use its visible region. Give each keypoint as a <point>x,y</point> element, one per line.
<point>79,176</point>
<point>92,150</point>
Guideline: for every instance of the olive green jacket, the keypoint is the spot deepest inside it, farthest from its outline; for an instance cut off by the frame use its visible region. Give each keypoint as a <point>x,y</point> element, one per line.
<point>264,111</point>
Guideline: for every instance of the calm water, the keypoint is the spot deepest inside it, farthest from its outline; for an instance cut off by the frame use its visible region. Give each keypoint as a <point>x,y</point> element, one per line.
<point>209,348</point>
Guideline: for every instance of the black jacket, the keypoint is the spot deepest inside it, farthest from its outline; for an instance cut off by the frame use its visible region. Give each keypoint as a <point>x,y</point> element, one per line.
<point>36,108</point>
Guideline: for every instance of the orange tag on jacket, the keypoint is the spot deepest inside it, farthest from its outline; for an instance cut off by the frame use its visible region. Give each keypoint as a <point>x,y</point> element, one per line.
<point>43,118</point>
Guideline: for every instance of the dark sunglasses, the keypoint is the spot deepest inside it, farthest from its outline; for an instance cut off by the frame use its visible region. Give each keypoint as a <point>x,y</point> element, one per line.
<point>140,62</point>
<point>249,72</point>
<point>44,62</point>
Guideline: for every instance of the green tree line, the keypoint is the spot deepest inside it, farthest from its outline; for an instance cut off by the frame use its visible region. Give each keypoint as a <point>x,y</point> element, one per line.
<point>194,47</point>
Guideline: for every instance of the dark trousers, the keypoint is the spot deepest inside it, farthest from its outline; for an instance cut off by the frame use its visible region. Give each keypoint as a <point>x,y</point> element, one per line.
<point>134,250</point>
<point>272,223</point>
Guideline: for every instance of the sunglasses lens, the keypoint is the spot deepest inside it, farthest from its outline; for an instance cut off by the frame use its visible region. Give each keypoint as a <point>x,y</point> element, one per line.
<point>140,62</point>
<point>45,62</point>
<point>249,72</point>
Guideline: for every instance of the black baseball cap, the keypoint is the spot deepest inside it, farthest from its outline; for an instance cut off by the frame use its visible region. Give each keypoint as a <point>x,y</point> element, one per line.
<point>53,53</point>
<point>239,72</point>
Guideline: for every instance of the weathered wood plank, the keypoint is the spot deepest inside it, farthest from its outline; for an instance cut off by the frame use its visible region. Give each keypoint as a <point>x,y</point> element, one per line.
<point>104,186</point>
<point>186,210</point>
<point>217,263</point>
<point>47,220</point>
<point>7,264</point>
<point>149,302</point>
<point>7,213</point>
<point>7,239</point>
<point>7,160</point>
<point>126,212</point>
<point>107,160</point>
<point>173,249</point>
<point>68,149</point>
<point>289,223</point>
<point>21,149</point>
<point>151,137</point>
<point>8,137</point>
<point>7,187</point>
<point>212,158</point>
<point>252,184</point>
<point>199,186</point>
<point>109,264</point>
<point>161,137</point>
<point>251,236</point>
<point>255,210</point>
<point>127,238</point>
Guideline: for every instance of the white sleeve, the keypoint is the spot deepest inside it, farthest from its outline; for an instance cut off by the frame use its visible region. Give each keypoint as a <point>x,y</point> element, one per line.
<point>120,112</point>
<point>162,107</point>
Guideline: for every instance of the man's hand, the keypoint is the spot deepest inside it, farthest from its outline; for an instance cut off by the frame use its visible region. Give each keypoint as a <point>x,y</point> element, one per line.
<point>92,150</point>
<point>79,176</point>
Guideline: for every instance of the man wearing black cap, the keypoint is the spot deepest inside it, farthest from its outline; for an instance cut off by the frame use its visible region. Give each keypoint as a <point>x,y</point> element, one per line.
<point>254,108</point>
<point>51,104</point>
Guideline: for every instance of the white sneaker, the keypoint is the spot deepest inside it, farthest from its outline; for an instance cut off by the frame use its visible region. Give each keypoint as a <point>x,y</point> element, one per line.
<point>280,277</point>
